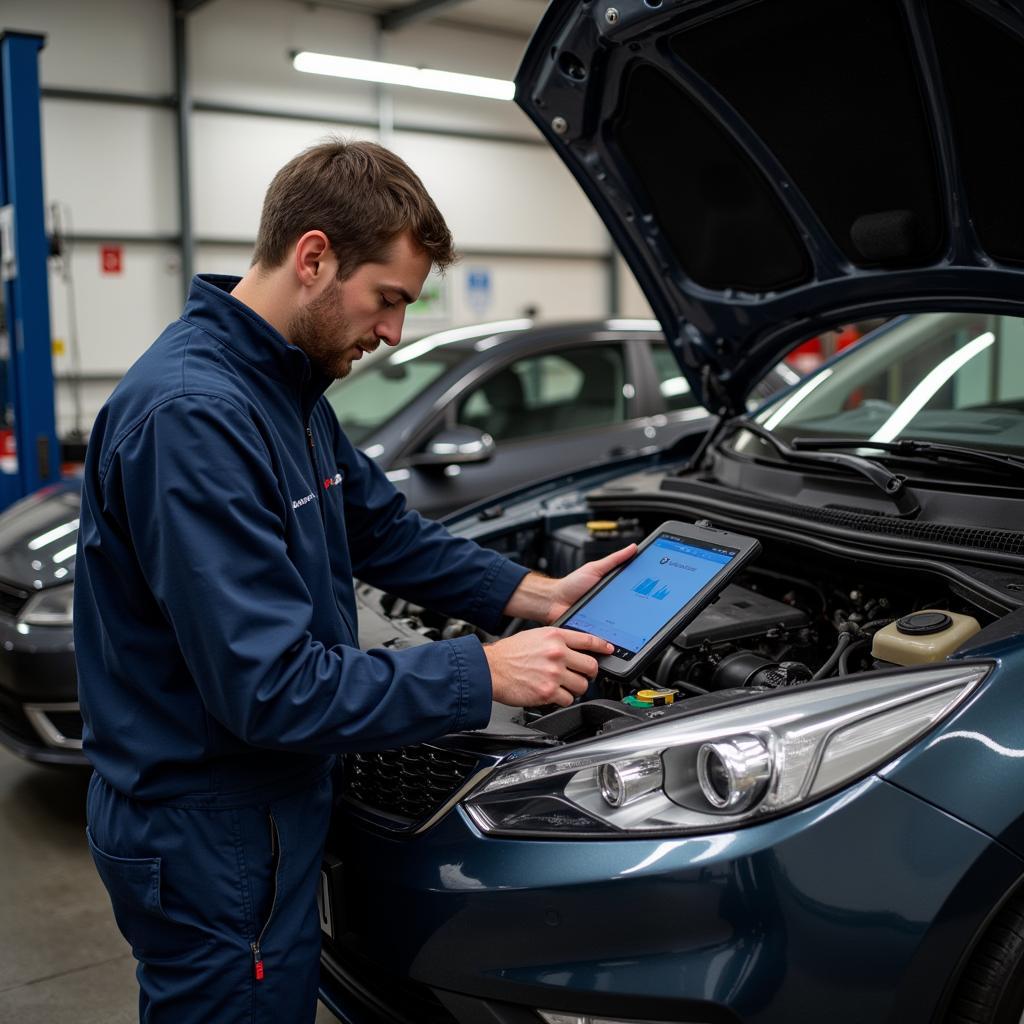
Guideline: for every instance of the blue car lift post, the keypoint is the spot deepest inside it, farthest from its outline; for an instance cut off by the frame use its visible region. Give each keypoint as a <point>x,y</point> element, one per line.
<point>24,249</point>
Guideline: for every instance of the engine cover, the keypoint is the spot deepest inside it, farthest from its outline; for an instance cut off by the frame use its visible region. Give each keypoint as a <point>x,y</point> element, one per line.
<point>739,614</point>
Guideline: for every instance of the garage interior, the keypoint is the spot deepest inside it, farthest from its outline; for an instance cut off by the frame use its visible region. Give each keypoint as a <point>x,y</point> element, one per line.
<point>161,124</point>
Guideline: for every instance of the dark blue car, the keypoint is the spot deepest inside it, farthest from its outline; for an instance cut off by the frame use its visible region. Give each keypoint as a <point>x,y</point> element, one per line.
<point>821,817</point>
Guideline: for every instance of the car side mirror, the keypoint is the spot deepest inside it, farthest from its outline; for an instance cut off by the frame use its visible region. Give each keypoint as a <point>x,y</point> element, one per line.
<point>455,446</point>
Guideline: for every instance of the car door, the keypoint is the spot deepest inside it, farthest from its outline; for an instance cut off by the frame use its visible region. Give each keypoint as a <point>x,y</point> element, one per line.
<point>548,412</point>
<point>673,409</point>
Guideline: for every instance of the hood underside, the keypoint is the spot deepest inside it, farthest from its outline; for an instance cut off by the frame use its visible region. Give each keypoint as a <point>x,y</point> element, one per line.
<point>773,168</point>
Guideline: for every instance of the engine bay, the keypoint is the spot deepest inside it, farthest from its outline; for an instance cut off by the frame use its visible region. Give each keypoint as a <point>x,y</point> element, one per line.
<point>794,616</point>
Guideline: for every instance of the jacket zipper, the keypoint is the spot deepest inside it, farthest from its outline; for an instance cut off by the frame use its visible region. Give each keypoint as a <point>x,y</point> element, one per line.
<point>275,854</point>
<point>316,476</point>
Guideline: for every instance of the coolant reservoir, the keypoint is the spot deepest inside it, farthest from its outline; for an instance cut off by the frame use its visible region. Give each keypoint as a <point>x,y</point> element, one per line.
<point>923,637</point>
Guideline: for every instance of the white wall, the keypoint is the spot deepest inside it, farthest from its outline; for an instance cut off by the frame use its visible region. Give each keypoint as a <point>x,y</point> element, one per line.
<point>522,221</point>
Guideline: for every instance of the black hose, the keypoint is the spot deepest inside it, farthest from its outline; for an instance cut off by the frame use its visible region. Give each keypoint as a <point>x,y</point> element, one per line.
<point>667,666</point>
<point>876,624</point>
<point>514,626</point>
<point>844,658</point>
<point>844,641</point>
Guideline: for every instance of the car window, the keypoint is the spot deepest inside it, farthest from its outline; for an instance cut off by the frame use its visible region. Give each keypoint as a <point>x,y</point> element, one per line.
<point>549,393</point>
<point>675,388</point>
<point>955,377</point>
<point>365,400</point>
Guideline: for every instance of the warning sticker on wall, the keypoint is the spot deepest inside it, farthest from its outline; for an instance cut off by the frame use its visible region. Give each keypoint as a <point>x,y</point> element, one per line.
<point>111,259</point>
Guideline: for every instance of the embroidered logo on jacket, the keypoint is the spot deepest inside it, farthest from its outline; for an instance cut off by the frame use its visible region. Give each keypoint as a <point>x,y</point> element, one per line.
<point>299,502</point>
<point>332,481</point>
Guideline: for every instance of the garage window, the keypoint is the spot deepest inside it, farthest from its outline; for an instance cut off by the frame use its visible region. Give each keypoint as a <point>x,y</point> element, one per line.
<point>550,394</point>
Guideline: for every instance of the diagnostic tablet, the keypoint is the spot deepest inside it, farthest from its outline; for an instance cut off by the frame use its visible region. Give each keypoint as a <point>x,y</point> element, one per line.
<point>677,571</point>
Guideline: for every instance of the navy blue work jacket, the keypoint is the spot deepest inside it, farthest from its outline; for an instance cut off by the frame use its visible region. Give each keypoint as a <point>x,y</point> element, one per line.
<point>215,616</point>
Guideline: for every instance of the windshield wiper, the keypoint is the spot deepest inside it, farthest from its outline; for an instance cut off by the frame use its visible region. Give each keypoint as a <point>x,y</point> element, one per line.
<point>892,485</point>
<point>908,446</point>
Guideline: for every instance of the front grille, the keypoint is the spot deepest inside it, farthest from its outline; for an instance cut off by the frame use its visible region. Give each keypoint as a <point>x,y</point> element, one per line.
<point>410,783</point>
<point>12,599</point>
<point>390,998</point>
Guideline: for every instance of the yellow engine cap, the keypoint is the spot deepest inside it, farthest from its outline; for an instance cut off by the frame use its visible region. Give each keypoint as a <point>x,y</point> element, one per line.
<point>656,696</point>
<point>602,525</point>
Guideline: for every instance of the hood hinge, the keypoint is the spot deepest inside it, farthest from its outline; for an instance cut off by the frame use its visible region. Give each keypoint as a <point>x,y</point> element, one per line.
<point>719,400</point>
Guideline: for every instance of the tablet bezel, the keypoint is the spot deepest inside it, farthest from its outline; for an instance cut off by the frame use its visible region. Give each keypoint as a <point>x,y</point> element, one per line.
<point>746,549</point>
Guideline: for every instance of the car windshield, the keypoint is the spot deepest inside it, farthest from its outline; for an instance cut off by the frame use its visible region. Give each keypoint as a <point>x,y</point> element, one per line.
<point>368,398</point>
<point>949,377</point>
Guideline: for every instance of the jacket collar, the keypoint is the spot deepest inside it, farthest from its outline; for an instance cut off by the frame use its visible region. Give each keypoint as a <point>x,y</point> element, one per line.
<point>211,306</point>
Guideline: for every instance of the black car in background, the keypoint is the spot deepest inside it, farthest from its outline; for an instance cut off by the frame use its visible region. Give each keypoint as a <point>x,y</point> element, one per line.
<point>455,417</point>
<point>465,414</point>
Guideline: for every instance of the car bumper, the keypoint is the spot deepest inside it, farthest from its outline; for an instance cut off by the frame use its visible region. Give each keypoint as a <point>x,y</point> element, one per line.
<point>858,908</point>
<point>39,716</point>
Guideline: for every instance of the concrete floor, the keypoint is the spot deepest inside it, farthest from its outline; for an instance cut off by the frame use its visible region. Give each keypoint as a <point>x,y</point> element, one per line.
<point>61,956</point>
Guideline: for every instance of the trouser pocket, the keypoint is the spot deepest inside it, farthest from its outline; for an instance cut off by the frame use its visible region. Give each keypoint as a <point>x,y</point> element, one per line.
<point>275,872</point>
<point>133,884</point>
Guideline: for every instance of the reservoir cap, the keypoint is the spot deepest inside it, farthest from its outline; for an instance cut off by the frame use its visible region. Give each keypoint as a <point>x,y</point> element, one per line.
<point>923,623</point>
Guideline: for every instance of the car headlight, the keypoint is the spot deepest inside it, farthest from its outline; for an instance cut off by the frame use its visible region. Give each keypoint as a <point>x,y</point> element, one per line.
<point>49,607</point>
<point>713,770</point>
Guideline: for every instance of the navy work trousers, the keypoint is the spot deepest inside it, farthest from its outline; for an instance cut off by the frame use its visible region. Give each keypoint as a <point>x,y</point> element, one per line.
<point>219,905</point>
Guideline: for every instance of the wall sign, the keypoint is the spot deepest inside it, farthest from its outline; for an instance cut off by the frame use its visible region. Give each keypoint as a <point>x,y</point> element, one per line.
<point>111,259</point>
<point>478,289</point>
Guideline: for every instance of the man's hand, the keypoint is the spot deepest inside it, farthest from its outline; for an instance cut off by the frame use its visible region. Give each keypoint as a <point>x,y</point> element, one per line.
<point>542,599</point>
<point>569,589</point>
<point>543,666</point>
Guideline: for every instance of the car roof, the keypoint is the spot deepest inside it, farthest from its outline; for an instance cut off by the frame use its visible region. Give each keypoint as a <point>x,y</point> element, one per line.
<point>482,337</point>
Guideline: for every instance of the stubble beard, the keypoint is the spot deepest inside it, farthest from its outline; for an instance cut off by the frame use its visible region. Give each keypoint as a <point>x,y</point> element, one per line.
<point>324,333</point>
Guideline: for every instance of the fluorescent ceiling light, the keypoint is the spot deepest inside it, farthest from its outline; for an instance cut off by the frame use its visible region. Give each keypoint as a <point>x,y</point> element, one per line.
<point>403,74</point>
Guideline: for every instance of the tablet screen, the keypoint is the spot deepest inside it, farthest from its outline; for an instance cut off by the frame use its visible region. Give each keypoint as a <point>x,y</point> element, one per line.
<point>660,581</point>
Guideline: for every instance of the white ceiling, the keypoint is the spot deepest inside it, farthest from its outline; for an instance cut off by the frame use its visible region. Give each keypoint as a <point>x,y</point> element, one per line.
<point>516,17</point>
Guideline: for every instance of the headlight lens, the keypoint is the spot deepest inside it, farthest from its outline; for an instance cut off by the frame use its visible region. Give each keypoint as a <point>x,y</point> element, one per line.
<point>734,774</point>
<point>49,607</point>
<point>716,769</point>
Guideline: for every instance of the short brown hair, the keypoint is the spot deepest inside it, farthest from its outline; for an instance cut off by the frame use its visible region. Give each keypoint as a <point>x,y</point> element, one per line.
<point>361,196</point>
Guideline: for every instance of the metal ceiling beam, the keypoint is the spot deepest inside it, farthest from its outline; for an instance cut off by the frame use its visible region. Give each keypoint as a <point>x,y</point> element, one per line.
<point>421,10</point>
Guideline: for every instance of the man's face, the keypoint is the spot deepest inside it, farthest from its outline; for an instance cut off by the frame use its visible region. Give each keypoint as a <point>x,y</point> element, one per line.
<point>350,317</point>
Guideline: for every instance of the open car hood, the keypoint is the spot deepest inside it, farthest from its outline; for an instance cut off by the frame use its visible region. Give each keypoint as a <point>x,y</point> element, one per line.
<point>773,168</point>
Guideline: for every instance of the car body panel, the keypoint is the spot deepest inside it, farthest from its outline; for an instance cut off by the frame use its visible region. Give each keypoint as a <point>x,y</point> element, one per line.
<point>969,764</point>
<point>750,920</point>
<point>38,536</point>
<point>659,110</point>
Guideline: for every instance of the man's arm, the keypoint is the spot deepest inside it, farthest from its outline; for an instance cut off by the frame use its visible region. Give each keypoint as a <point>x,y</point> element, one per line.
<point>206,515</point>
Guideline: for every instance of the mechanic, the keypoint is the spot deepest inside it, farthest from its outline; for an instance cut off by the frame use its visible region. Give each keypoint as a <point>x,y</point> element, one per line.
<point>224,515</point>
